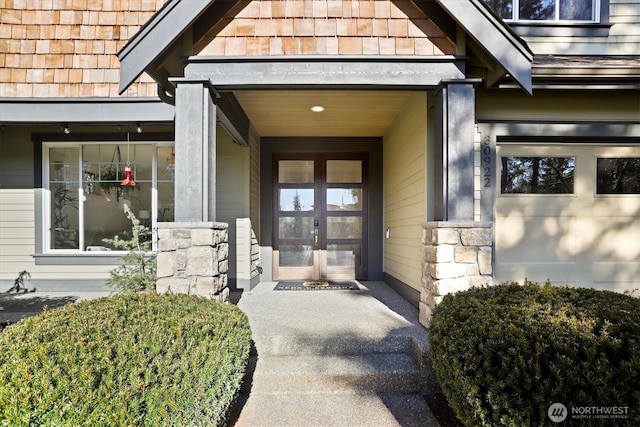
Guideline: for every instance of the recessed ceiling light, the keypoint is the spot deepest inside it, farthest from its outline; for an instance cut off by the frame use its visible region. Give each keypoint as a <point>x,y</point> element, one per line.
<point>317,108</point>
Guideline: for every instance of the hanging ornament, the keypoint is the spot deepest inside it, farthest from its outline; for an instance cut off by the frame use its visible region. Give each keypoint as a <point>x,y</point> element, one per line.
<point>128,179</point>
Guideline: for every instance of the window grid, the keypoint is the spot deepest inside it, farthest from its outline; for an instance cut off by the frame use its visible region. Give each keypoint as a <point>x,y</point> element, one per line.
<point>58,173</point>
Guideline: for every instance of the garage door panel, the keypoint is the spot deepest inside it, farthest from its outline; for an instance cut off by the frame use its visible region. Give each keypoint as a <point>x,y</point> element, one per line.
<point>559,272</point>
<point>617,240</point>
<point>616,276</point>
<point>584,238</point>
<point>536,238</point>
<point>531,205</point>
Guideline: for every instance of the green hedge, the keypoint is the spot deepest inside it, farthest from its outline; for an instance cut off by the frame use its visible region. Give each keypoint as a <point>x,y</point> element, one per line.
<point>504,354</point>
<point>137,359</point>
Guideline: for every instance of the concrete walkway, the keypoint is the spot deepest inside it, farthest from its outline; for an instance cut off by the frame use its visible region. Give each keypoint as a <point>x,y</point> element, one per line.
<point>335,358</point>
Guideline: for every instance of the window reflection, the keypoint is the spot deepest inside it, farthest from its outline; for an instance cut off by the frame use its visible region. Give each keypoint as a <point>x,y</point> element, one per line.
<point>344,199</point>
<point>63,186</point>
<point>537,175</point>
<point>295,227</point>
<point>296,199</point>
<point>295,256</point>
<point>544,10</point>
<point>87,201</point>
<point>618,176</point>
<point>344,227</point>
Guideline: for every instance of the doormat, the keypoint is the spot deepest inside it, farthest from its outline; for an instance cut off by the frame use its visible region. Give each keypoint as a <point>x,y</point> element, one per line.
<point>317,285</point>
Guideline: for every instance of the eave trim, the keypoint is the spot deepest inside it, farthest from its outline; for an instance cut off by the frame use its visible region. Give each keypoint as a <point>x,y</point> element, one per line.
<point>60,110</point>
<point>491,33</point>
<point>156,37</point>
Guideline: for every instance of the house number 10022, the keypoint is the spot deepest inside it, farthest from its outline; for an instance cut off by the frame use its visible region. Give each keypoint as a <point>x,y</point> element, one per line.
<point>486,162</point>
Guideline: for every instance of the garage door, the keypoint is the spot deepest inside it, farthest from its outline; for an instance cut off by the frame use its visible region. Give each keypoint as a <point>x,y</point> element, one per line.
<point>570,214</point>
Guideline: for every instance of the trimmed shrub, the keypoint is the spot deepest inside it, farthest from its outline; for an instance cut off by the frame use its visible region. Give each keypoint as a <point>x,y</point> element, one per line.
<point>136,359</point>
<point>504,354</point>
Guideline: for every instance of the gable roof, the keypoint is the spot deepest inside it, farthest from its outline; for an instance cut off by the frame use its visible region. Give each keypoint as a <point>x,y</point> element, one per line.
<point>174,30</point>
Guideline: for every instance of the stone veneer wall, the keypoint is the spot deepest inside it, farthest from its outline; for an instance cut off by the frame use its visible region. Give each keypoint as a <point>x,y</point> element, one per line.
<point>193,258</point>
<point>455,256</point>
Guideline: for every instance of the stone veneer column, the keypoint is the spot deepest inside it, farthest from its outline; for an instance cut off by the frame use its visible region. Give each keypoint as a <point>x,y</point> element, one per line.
<point>193,258</point>
<point>456,255</point>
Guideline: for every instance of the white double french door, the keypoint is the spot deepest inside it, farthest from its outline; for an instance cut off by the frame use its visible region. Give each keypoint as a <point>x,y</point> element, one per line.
<point>320,215</point>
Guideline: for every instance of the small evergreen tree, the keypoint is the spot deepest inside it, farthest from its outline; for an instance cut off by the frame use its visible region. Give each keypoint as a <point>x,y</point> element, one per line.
<point>138,272</point>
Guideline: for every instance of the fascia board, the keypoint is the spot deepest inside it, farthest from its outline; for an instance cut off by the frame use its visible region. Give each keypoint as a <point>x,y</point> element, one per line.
<point>44,111</point>
<point>494,36</point>
<point>156,37</point>
<point>326,71</point>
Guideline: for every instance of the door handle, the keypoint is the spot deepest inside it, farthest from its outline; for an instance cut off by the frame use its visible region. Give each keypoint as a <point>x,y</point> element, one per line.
<point>315,237</point>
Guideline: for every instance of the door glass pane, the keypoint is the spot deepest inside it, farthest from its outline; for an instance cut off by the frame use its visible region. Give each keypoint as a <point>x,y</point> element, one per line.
<point>295,256</point>
<point>344,199</point>
<point>344,255</point>
<point>296,199</point>
<point>344,227</point>
<point>295,171</point>
<point>295,227</point>
<point>344,171</point>
<point>618,176</point>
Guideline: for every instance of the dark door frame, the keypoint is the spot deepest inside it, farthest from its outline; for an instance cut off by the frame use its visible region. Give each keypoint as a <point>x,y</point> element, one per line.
<point>370,145</point>
<point>321,212</point>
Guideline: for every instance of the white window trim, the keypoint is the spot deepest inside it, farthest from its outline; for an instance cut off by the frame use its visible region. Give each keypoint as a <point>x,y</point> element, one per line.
<point>516,18</point>
<point>45,236</point>
<point>598,27</point>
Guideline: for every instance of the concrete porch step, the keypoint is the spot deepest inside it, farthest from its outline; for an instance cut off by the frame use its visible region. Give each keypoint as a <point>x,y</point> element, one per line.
<point>296,345</point>
<point>347,374</point>
<point>315,410</point>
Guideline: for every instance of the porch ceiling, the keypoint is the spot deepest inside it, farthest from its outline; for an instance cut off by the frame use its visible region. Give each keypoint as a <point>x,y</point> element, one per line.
<point>346,113</point>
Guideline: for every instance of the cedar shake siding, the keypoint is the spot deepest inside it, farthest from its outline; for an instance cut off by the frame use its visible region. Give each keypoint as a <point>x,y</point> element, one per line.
<point>67,48</point>
<point>327,28</point>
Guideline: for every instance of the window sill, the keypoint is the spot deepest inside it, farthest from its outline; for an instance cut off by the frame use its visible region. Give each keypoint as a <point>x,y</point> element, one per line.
<point>80,258</point>
<point>560,29</point>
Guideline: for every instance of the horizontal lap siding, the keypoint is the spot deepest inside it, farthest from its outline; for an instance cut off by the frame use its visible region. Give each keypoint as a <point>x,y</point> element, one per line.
<point>623,38</point>
<point>17,243</point>
<point>17,233</point>
<point>405,192</point>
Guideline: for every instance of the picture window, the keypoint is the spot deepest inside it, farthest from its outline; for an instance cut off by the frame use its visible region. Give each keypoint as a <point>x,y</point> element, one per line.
<point>85,199</point>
